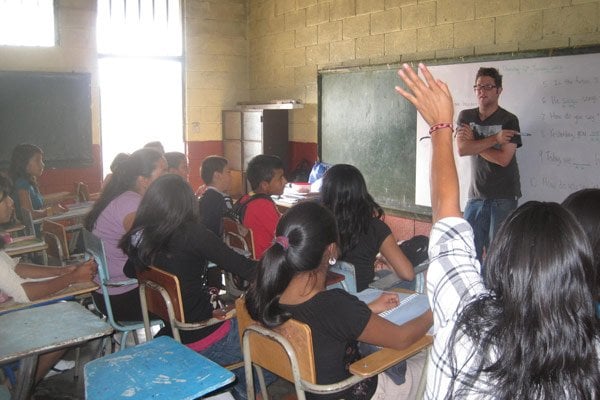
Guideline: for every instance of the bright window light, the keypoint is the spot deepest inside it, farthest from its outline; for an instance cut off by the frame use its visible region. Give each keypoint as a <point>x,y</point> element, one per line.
<point>27,23</point>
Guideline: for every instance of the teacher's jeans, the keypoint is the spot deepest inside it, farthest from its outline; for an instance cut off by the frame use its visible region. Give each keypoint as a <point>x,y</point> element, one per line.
<point>485,217</point>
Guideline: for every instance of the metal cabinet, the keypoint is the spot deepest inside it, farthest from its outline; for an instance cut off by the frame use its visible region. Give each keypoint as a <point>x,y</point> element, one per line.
<point>247,133</point>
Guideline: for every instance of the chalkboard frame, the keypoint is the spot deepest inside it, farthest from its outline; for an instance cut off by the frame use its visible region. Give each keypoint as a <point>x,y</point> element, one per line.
<point>421,212</point>
<point>52,110</point>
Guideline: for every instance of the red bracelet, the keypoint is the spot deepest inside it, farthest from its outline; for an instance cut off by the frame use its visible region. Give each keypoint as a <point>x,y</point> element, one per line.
<point>441,125</point>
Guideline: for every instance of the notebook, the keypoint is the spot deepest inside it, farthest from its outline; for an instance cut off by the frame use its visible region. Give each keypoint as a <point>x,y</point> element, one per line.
<point>410,307</point>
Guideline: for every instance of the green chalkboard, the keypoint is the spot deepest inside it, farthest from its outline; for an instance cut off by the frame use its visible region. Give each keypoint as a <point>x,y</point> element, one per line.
<point>50,110</point>
<point>364,122</point>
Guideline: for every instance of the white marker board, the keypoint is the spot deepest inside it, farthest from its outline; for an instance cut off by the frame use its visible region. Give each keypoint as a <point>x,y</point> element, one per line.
<point>557,101</point>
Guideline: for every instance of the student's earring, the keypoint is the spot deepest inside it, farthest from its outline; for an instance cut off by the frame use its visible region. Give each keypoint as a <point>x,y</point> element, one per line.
<point>332,260</point>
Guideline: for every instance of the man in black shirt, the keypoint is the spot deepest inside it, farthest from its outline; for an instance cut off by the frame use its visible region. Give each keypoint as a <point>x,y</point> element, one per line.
<point>490,135</point>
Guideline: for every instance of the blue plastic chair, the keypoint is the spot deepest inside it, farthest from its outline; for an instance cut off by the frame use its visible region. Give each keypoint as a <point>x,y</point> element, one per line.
<point>95,248</point>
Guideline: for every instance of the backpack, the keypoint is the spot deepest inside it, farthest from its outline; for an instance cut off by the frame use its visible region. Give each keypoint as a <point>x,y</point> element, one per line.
<point>239,208</point>
<point>415,249</point>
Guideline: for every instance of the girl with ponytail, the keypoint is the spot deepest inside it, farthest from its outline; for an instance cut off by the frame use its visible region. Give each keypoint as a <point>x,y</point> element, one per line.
<point>290,283</point>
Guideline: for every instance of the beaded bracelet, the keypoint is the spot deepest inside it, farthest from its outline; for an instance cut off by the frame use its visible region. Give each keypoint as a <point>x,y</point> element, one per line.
<point>441,125</point>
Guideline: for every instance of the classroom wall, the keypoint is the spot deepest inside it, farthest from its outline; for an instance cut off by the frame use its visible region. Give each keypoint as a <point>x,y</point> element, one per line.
<point>216,73</point>
<point>76,52</point>
<point>290,40</point>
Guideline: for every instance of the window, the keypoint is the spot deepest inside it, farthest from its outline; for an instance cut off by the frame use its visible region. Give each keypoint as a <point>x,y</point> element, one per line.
<point>27,23</point>
<point>140,75</point>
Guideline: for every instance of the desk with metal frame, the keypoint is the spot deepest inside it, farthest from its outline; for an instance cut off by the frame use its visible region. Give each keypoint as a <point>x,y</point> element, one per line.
<point>27,333</point>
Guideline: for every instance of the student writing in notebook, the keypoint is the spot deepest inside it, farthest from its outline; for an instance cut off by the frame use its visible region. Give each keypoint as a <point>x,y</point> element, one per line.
<point>363,233</point>
<point>530,331</point>
<point>290,283</point>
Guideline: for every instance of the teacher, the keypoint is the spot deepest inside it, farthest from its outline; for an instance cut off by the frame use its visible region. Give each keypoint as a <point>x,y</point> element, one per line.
<point>490,135</point>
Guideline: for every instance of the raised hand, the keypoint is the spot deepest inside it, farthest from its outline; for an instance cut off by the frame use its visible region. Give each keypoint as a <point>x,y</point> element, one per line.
<point>431,96</point>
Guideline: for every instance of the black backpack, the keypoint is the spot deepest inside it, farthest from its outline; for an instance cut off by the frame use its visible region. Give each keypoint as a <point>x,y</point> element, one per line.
<point>415,249</point>
<point>239,208</point>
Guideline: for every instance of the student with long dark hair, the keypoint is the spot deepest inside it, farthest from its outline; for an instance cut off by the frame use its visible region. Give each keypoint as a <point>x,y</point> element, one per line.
<point>290,283</point>
<point>363,234</point>
<point>530,332</point>
<point>113,214</point>
<point>167,233</point>
<point>26,167</point>
<point>585,205</point>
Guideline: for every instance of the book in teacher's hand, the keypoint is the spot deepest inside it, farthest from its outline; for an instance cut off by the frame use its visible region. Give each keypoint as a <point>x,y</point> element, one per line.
<point>410,307</point>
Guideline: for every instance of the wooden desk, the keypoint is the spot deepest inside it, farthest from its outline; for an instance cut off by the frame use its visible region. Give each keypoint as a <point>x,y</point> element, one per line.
<point>160,368</point>
<point>73,290</point>
<point>27,333</point>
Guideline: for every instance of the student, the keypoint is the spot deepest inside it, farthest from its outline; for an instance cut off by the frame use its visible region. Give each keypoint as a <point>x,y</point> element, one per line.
<point>585,205</point>
<point>177,164</point>
<point>112,216</point>
<point>256,209</point>
<point>181,245</point>
<point>530,332</point>
<point>290,283</point>
<point>215,203</point>
<point>26,166</point>
<point>27,282</point>
<point>155,146</point>
<point>116,162</point>
<point>363,234</point>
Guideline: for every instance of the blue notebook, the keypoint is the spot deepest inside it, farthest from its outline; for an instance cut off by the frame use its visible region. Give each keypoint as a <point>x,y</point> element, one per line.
<point>410,307</point>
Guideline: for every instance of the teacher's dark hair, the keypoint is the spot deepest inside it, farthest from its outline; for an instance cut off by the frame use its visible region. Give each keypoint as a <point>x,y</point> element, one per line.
<point>19,159</point>
<point>168,204</point>
<point>492,73</point>
<point>140,163</point>
<point>585,205</point>
<point>344,192</point>
<point>535,332</point>
<point>309,229</point>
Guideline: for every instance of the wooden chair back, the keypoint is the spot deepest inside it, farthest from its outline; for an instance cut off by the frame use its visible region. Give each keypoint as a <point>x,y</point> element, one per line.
<point>238,237</point>
<point>55,236</point>
<point>154,299</point>
<point>269,354</point>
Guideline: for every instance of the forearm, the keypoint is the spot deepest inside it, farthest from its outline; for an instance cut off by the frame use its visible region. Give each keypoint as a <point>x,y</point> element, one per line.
<point>34,271</point>
<point>471,147</point>
<point>396,259</point>
<point>501,156</point>
<point>444,179</point>
<point>38,290</point>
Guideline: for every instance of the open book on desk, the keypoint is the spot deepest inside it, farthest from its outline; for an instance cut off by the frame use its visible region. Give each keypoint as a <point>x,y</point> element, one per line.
<point>410,307</point>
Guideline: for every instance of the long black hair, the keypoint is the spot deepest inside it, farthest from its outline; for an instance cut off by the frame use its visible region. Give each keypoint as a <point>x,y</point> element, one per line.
<point>168,204</point>
<point>140,163</point>
<point>585,205</point>
<point>309,228</point>
<point>535,333</point>
<point>19,160</point>
<point>344,192</point>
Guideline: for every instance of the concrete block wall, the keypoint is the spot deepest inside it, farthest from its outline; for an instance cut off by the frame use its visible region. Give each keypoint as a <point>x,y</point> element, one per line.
<point>338,33</point>
<point>290,40</point>
<point>216,73</point>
